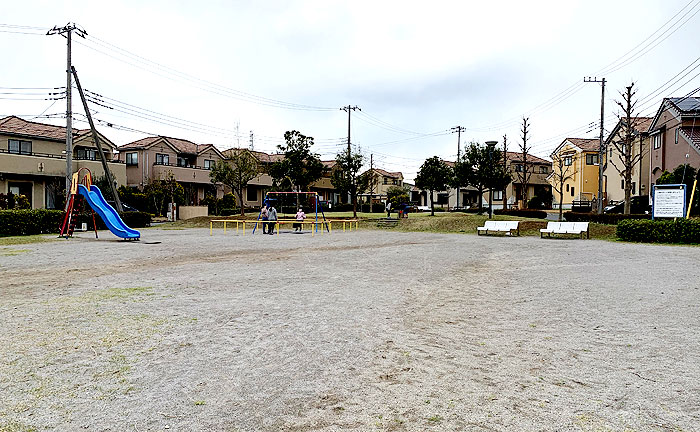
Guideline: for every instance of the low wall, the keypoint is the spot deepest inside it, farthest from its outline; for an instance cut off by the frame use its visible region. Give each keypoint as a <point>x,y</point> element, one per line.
<point>189,212</point>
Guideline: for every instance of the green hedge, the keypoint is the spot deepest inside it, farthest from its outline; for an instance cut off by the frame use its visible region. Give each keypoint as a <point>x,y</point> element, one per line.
<point>605,218</point>
<point>28,222</point>
<point>659,231</point>
<point>529,213</point>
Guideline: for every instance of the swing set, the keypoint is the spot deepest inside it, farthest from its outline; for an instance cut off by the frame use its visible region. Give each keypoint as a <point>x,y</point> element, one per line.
<point>282,203</point>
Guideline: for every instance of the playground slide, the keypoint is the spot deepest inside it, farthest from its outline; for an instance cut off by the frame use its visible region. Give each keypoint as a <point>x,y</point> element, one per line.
<point>110,216</point>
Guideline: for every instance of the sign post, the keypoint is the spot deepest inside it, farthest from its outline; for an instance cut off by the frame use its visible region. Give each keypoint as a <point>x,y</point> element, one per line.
<point>668,201</point>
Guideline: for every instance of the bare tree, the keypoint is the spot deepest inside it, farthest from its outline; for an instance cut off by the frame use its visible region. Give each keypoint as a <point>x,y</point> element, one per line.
<point>625,146</point>
<point>524,175</point>
<point>561,173</point>
<point>505,169</point>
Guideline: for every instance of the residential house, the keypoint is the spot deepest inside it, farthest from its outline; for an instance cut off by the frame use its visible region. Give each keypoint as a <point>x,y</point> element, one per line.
<point>33,160</point>
<point>614,183</point>
<point>581,154</point>
<point>538,170</point>
<point>382,181</point>
<point>157,157</point>
<point>254,192</point>
<point>674,133</point>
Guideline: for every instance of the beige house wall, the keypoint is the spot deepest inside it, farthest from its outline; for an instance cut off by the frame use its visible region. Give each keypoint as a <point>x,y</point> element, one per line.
<point>584,182</point>
<point>48,163</point>
<point>640,172</point>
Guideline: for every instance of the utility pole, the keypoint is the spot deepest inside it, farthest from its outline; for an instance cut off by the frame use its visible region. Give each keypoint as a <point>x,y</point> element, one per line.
<point>601,150</point>
<point>371,180</point>
<point>491,146</point>
<point>67,31</point>
<point>112,180</point>
<point>459,130</point>
<point>349,109</point>
<point>252,139</point>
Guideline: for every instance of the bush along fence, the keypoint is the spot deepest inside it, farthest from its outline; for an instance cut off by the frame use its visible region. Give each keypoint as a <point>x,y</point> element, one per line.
<point>655,231</point>
<point>528,213</point>
<point>41,221</point>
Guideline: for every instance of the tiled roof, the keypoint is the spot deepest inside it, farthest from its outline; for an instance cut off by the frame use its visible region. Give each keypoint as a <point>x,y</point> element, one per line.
<point>686,104</point>
<point>692,133</point>
<point>18,126</point>
<point>328,164</point>
<point>181,145</point>
<point>642,123</point>
<point>588,144</point>
<point>388,174</point>
<point>515,157</point>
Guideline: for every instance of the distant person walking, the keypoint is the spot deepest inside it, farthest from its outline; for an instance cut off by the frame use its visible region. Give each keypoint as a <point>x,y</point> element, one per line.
<point>388,209</point>
<point>272,220</point>
<point>264,213</point>
<point>300,216</point>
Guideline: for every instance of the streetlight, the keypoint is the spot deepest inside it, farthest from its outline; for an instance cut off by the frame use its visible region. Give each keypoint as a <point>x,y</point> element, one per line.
<point>491,146</point>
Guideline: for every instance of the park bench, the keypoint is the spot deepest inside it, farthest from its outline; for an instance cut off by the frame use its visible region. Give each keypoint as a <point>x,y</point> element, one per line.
<point>507,227</point>
<point>578,228</point>
<point>387,222</point>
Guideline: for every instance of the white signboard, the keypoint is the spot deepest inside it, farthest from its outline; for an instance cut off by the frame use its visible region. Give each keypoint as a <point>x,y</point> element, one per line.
<point>669,203</point>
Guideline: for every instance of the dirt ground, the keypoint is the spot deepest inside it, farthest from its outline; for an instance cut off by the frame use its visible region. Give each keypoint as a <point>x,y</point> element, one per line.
<point>367,331</point>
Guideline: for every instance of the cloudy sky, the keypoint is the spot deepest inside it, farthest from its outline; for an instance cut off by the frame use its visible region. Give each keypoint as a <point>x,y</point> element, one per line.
<point>213,71</point>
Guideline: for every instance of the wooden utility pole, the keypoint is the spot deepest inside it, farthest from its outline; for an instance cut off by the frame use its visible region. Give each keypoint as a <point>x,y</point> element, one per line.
<point>105,167</point>
<point>601,149</point>
<point>459,130</point>
<point>67,32</point>
<point>371,180</point>
<point>353,183</point>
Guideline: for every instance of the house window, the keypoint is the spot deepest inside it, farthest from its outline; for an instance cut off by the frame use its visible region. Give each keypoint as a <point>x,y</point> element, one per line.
<point>162,159</point>
<point>393,182</point>
<point>567,187</point>
<point>634,188</point>
<point>591,159</point>
<point>567,160</point>
<point>622,184</point>
<point>572,191</point>
<point>442,198</point>
<point>656,140</point>
<point>611,151</point>
<point>132,159</point>
<point>251,194</point>
<point>181,162</point>
<point>386,180</point>
<point>85,154</point>
<point>498,194</point>
<point>543,170</point>
<point>19,147</point>
<point>208,164</point>
<point>518,168</point>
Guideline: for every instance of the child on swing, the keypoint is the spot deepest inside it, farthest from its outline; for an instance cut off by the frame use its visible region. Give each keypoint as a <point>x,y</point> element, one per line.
<point>300,216</point>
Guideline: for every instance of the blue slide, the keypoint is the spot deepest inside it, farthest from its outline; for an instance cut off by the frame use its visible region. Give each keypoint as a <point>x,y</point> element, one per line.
<point>110,216</point>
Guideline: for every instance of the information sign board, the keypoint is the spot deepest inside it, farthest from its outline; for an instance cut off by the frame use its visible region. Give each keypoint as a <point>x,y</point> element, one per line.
<point>668,201</point>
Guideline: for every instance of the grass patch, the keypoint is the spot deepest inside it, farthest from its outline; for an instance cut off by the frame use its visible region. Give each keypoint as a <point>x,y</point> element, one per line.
<point>20,240</point>
<point>12,252</point>
<point>14,426</point>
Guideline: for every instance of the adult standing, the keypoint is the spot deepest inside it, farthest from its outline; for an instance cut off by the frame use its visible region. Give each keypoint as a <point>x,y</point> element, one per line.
<point>264,213</point>
<point>388,209</point>
<point>272,220</point>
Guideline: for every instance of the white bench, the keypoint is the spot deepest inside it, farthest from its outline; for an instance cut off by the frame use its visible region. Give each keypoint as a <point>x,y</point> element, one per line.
<point>578,228</point>
<point>507,227</point>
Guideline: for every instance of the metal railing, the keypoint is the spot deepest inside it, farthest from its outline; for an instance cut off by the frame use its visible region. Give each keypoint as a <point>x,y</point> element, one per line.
<point>55,156</point>
<point>180,166</point>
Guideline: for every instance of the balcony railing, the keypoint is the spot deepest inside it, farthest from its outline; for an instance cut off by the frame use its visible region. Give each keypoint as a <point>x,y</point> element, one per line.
<point>55,156</point>
<point>180,166</point>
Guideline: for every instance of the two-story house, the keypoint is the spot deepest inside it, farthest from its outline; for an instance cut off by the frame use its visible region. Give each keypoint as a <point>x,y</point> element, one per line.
<point>382,180</point>
<point>674,133</point>
<point>614,183</point>
<point>33,160</point>
<point>255,190</point>
<point>580,162</point>
<point>534,169</point>
<point>157,157</point>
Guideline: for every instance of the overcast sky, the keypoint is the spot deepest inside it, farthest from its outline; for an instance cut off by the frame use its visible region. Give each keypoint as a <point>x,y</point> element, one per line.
<point>415,69</point>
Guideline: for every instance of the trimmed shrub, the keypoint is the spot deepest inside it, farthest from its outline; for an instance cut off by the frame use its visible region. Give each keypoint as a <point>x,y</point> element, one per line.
<point>28,222</point>
<point>230,212</point>
<point>656,231</point>
<point>376,208</point>
<point>605,218</point>
<point>529,213</point>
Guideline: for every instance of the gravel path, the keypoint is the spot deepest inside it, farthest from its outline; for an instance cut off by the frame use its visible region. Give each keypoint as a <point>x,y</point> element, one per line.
<point>370,330</point>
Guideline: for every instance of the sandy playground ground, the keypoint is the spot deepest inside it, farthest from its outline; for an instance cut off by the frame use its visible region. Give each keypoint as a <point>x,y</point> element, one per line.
<point>367,331</point>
